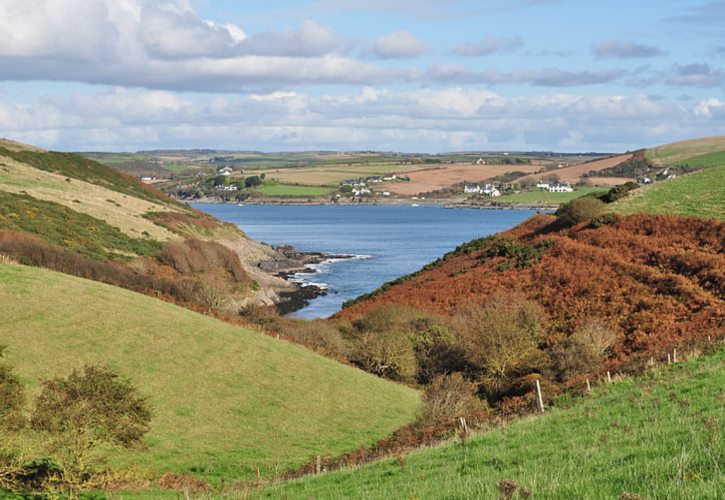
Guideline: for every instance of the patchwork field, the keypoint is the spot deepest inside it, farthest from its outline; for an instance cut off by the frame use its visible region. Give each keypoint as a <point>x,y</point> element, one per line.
<point>574,173</point>
<point>433,179</point>
<point>228,403</point>
<point>330,176</point>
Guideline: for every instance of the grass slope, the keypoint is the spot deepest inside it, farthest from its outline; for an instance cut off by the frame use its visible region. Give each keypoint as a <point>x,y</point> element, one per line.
<point>286,190</point>
<point>226,400</point>
<point>699,194</point>
<point>541,197</point>
<point>657,437</point>
<point>686,151</point>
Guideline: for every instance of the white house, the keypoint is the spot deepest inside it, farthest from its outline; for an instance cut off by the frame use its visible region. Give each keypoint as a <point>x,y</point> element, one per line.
<point>480,161</point>
<point>491,190</point>
<point>360,191</point>
<point>542,185</point>
<point>472,189</point>
<point>560,187</point>
<point>225,171</point>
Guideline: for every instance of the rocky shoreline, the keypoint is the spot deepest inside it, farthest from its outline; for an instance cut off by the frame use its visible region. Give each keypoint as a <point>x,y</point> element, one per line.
<point>293,263</point>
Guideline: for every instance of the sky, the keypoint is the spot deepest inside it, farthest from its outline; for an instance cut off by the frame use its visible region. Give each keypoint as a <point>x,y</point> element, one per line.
<point>387,75</point>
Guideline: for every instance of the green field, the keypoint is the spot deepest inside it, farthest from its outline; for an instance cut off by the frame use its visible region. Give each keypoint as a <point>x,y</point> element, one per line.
<point>285,190</point>
<point>686,151</point>
<point>226,400</point>
<point>699,194</point>
<point>706,160</point>
<point>541,197</point>
<point>661,436</point>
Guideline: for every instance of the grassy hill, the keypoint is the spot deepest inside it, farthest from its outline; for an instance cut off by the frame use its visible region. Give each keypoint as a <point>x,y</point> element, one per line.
<point>699,194</point>
<point>705,152</point>
<point>660,436</point>
<point>227,401</point>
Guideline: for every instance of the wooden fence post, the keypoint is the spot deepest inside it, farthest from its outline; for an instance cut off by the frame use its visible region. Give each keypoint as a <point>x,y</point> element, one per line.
<point>669,359</point>
<point>609,378</point>
<point>318,465</point>
<point>674,355</point>
<point>538,394</point>
<point>589,387</point>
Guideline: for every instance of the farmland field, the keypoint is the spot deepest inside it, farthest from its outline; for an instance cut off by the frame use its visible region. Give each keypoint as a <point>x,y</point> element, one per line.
<point>330,176</point>
<point>574,173</point>
<point>541,197</point>
<point>293,191</point>
<point>433,179</point>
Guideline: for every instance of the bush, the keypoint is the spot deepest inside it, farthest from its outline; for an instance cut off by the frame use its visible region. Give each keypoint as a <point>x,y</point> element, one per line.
<point>194,256</point>
<point>436,353</point>
<point>579,210</point>
<point>84,413</point>
<point>499,337</point>
<point>585,350</point>
<point>387,354</point>
<point>448,398</point>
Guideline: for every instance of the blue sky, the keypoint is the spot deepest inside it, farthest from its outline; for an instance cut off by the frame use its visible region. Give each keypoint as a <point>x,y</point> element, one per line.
<point>405,75</point>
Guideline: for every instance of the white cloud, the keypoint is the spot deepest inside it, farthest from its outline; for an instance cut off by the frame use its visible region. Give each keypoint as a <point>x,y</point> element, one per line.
<point>164,45</point>
<point>384,119</point>
<point>398,45</point>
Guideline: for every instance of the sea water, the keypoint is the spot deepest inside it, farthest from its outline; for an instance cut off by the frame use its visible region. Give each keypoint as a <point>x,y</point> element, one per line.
<point>385,241</point>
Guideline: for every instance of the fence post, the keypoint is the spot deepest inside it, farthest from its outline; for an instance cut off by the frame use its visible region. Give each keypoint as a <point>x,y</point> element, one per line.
<point>669,359</point>
<point>318,465</point>
<point>538,394</point>
<point>589,387</point>
<point>674,355</point>
<point>609,378</point>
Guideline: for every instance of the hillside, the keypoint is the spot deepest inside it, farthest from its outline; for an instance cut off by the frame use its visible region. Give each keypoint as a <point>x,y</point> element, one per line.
<point>699,194</point>
<point>81,207</point>
<point>654,279</point>
<point>707,151</point>
<point>660,436</point>
<point>226,400</point>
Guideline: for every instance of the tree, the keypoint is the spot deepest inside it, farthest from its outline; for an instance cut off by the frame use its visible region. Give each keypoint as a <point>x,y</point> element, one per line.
<point>253,181</point>
<point>91,409</point>
<point>500,338</point>
<point>386,354</point>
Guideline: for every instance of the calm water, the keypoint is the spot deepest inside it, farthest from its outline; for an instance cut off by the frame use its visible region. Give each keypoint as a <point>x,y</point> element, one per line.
<point>387,241</point>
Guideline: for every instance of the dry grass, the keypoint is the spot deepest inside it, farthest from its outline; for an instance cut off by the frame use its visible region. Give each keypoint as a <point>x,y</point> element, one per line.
<point>7,260</point>
<point>17,146</point>
<point>119,210</point>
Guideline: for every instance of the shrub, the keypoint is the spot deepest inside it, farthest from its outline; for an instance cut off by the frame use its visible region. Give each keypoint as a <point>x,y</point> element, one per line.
<point>447,398</point>
<point>322,336</point>
<point>586,349</point>
<point>436,353</point>
<point>202,257</point>
<point>499,337</point>
<point>579,210</point>
<point>81,414</point>
<point>12,398</point>
<point>386,354</point>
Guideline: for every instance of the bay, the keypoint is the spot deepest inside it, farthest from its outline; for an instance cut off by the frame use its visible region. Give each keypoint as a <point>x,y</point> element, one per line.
<point>387,241</point>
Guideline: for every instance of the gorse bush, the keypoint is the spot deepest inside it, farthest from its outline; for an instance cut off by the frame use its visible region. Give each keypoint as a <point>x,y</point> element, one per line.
<point>193,257</point>
<point>579,210</point>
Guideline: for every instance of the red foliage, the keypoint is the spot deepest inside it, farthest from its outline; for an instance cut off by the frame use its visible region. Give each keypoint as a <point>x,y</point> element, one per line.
<point>655,280</point>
